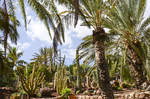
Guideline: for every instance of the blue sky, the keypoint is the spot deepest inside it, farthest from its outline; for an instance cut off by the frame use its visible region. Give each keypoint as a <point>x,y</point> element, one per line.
<point>36,36</point>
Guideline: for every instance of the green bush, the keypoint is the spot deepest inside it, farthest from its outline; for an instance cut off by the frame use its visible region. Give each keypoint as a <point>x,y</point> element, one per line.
<point>78,91</point>
<point>117,88</point>
<point>85,92</point>
<point>65,93</point>
<point>125,85</point>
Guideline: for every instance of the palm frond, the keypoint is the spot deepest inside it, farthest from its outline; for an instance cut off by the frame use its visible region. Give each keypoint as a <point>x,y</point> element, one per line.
<point>22,5</point>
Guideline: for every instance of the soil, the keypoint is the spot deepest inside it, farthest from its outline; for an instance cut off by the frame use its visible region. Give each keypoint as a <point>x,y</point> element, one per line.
<point>5,93</point>
<point>125,91</point>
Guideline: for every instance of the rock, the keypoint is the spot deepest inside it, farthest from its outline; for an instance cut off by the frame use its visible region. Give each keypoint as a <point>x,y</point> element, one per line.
<point>148,88</point>
<point>147,92</point>
<point>123,97</point>
<point>136,95</point>
<point>95,97</point>
<point>83,97</point>
<point>144,95</point>
<point>132,96</point>
<point>147,95</point>
<point>144,85</point>
<point>127,96</point>
<point>87,97</point>
<point>100,97</point>
<point>98,92</point>
<point>80,97</point>
<point>141,96</point>
<point>117,96</point>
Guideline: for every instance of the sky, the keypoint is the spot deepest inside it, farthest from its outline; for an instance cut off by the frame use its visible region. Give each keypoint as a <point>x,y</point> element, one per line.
<point>36,36</point>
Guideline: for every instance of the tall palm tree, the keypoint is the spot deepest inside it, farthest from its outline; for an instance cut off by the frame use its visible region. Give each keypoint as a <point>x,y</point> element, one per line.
<point>128,21</point>
<point>8,27</point>
<point>114,55</point>
<point>46,11</point>
<point>92,14</point>
<point>78,70</point>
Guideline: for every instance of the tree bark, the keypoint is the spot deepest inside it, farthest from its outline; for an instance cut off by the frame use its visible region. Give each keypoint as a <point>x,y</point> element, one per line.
<point>79,86</point>
<point>6,27</point>
<point>136,66</point>
<point>102,67</point>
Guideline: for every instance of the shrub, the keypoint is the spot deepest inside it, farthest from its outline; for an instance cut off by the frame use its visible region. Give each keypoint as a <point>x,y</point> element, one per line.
<point>117,88</point>
<point>125,85</point>
<point>30,82</point>
<point>85,92</point>
<point>65,93</point>
<point>61,78</point>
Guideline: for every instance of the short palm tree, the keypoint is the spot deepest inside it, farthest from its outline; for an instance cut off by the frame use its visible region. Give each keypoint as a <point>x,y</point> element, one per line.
<point>13,56</point>
<point>6,70</point>
<point>128,21</point>
<point>48,61</point>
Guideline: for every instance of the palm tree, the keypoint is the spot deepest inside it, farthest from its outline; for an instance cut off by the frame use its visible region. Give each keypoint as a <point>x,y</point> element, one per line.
<point>114,55</point>
<point>8,27</point>
<point>13,57</point>
<point>6,71</point>
<point>78,70</point>
<point>1,61</point>
<point>128,21</point>
<point>46,11</point>
<point>45,56</point>
<point>92,14</point>
<point>48,61</point>
<point>42,57</point>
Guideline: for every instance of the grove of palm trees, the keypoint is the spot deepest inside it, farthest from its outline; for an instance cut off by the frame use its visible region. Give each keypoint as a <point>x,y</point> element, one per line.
<point>111,62</point>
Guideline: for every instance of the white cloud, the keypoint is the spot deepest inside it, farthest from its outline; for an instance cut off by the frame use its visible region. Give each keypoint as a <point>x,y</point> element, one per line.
<point>37,30</point>
<point>24,45</point>
<point>148,9</point>
<point>68,38</point>
<point>82,31</point>
<point>69,53</point>
<point>61,8</point>
<point>1,47</point>
<point>20,46</point>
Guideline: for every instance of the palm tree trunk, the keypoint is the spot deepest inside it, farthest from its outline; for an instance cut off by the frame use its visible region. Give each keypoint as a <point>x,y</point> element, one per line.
<point>78,70</point>
<point>102,67</point>
<point>136,66</point>
<point>6,27</point>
